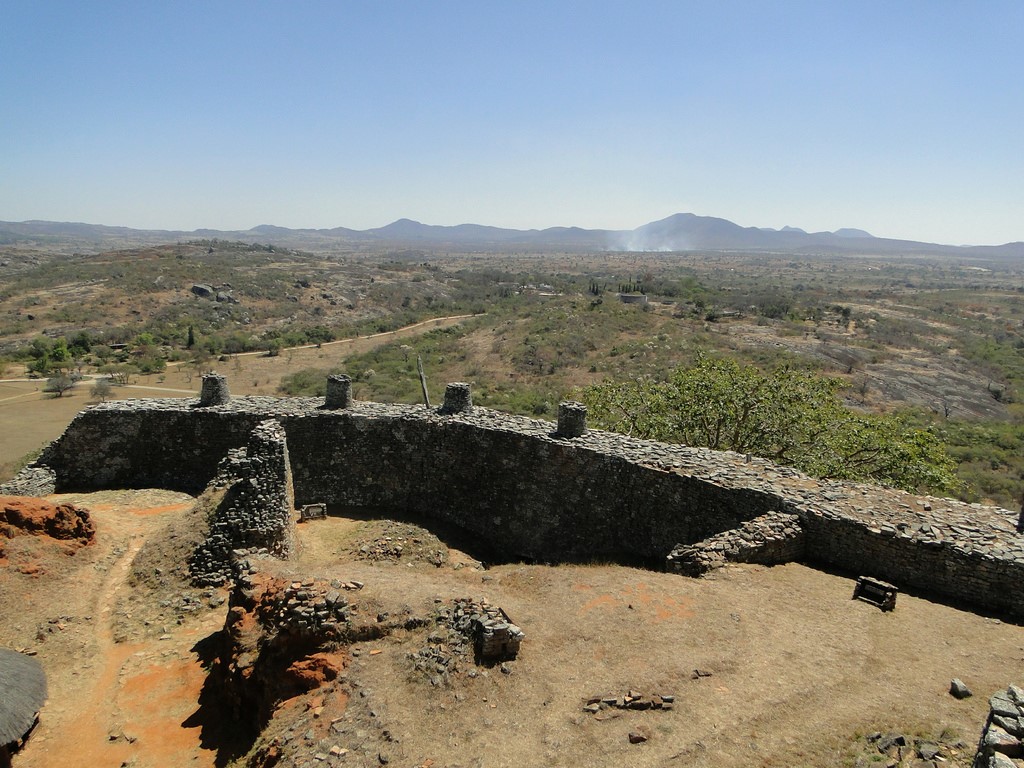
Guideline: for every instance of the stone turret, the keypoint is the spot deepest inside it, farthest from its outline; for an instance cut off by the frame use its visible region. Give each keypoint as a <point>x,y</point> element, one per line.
<point>572,419</point>
<point>215,390</point>
<point>457,398</point>
<point>339,391</point>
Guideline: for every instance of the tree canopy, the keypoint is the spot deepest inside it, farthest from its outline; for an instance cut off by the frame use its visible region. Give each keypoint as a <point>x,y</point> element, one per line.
<point>789,416</point>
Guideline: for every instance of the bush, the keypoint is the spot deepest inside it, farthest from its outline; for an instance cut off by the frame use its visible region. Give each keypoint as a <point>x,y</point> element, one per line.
<point>58,385</point>
<point>791,417</point>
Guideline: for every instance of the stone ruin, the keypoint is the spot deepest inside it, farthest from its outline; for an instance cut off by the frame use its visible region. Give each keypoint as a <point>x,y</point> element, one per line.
<point>1002,739</point>
<point>632,699</point>
<point>255,514</point>
<point>572,419</point>
<point>457,398</point>
<point>494,636</point>
<point>525,488</point>
<point>769,539</point>
<point>555,495</point>
<point>214,391</point>
<point>465,628</point>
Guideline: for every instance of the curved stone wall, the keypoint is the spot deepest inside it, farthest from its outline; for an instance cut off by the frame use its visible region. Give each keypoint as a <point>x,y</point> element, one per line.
<point>530,493</point>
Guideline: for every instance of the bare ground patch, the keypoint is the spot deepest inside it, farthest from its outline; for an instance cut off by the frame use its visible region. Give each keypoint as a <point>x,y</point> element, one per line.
<point>792,671</point>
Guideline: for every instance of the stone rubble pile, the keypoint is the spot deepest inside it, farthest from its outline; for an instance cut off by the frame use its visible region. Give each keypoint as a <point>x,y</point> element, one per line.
<point>391,540</point>
<point>385,548</point>
<point>494,636</point>
<point>462,627</point>
<point>444,655</point>
<point>1002,738</point>
<point>307,607</point>
<point>31,481</point>
<point>909,752</point>
<point>630,700</point>
<point>769,539</point>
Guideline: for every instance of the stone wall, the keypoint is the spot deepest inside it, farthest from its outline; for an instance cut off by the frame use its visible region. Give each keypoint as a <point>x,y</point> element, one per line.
<point>530,493</point>
<point>145,444</point>
<point>255,513</point>
<point>1002,738</point>
<point>31,481</point>
<point>770,539</point>
<point>511,483</point>
<point>981,572</point>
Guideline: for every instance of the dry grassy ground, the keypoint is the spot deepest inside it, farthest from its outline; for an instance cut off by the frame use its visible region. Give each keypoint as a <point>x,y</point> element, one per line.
<point>799,671</point>
<point>30,418</point>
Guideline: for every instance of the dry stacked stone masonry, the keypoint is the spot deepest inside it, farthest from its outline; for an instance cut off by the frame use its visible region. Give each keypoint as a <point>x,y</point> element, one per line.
<point>254,515</point>
<point>530,492</point>
<point>32,481</point>
<point>1002,738</point>
<point>769,539</point>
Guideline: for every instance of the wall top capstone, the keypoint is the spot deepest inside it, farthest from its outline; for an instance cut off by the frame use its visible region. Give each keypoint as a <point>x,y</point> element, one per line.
<point>888,511</point>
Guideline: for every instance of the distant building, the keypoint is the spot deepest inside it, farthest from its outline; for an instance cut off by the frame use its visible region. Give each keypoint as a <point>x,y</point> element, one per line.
<point>633,298</point>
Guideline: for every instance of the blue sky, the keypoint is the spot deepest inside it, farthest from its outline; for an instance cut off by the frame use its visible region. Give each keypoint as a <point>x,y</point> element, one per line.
<point>902,118</point>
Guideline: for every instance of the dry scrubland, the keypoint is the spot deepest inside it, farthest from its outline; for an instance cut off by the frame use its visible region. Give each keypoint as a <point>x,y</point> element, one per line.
<point>938,338</point>
<point>30,417</point>
<point>799,672</point>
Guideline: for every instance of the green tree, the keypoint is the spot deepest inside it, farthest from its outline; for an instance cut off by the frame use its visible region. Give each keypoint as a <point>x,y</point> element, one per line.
<point>41,364</point>
<point>80,345</point>
<point>319,334</point>
<point>40,346</point>
<point>101,390</point>
<point>60,355</point>
<point>791,417</point>
<point>58,385</point>
<point>150,364</point>
<point>119,373</point>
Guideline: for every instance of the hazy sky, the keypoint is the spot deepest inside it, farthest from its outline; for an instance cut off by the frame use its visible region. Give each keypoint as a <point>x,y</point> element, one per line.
<point>900,117</point>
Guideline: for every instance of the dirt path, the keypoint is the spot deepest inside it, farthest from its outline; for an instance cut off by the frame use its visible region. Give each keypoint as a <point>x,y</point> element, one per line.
<point>120,703</point>
<point>405,330</point>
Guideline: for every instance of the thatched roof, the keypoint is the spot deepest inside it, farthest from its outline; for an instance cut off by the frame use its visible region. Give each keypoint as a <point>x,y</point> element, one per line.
<point>22,693</point>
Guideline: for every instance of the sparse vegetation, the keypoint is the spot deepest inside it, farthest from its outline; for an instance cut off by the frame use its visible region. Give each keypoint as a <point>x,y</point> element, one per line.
<point>101,390</point>
<point>915,360</point>
<point>58,385</point>
<point>792,417</point>
<point>934,344</point>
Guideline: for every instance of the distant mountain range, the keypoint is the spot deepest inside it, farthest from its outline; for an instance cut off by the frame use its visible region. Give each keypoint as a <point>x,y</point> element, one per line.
<point>680,232</point>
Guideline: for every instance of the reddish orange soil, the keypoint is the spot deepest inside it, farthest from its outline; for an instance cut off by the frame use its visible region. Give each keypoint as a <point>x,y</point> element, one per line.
<point>651,605</point>
<point>117,703</point>
<point>26,515</point>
